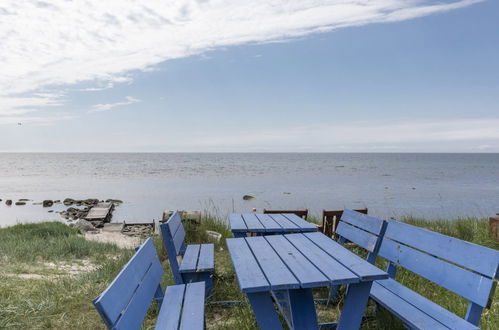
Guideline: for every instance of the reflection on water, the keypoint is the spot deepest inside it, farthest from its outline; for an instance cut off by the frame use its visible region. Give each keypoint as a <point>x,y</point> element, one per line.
<point>427,185</point>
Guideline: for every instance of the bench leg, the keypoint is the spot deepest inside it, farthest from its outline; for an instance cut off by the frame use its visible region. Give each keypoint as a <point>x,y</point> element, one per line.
<point>207,277</point>
<point>264,311</point>
<point>355,304</point>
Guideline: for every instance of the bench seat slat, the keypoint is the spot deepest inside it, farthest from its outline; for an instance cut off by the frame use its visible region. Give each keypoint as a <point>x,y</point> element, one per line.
<point>469,285</point>
<point>411,315</point>
<point>361,220</point>
<point>476,257</point>
<point>171,308</point>
<point>360,237</point>
<point>193,307</point>
<point>190,259</point>
<point>206,260</point>
<point>300,266</point>
<point>437,312</point>
<point>249,274</point>
<point>114,299</point>
<point>336,272</point>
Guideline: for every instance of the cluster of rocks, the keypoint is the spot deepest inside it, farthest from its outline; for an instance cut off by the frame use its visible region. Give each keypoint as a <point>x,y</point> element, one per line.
<point>84,226</point>
<point>138,230</point>
<point>73,213</point>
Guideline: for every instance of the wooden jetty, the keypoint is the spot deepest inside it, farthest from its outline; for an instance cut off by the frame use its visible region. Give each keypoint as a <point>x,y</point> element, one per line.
<point>100,212</point>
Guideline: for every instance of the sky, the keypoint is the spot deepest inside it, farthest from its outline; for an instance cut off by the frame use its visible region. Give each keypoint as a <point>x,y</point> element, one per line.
<point>249,76</point>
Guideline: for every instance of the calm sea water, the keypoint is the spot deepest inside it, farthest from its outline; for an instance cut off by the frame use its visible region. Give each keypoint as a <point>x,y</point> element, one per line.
<point>390,185</point>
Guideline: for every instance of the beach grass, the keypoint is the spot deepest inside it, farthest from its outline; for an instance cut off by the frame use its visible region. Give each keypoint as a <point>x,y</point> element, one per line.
<point>37,291</point>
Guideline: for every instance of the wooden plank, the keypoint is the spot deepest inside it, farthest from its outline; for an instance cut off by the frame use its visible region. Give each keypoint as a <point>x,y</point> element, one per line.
<point>174,222</point>
<point>356,264</point>
<point>475,257</point>
<point>451,320</point>
<point>254,225</point>
<point>358,236</point>
<point>169,314</point>
<point>117,295</point>
<point>334,271</point>
<point>284,222</point>
<point>190,259</point>
<point>193,307</point>
<point>249,274</point>
<point>411,315</point>
<point>363,221</point>
<point>134,313</point>
<point>305,271</point>
<point>300,223</point>
<point>269,223</point>
<point>206,261</point>
<point>472,286</point>
<point>276,272</point>
<point>237,223</point>
<point>178,239</point>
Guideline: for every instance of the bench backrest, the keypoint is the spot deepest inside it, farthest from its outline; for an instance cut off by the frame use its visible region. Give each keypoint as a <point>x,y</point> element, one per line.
<point>125,302</point>
<point>364,230</point>
<point>301,213</point>
<point>331,219</point>
<point>173,234</point>
<point>464,268</point>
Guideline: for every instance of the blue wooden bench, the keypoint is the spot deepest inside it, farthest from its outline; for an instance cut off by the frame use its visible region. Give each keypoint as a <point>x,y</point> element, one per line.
<point>467,269</point>
<point>197,261</point>
<point>363,230</point>
<point>125,302</point>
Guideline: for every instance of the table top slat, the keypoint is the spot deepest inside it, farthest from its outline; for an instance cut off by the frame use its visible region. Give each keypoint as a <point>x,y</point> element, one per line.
<point>283,221</point>
<point>356,264</point>
<point>308,275</point>
<point>249,274</point>
<point>276,272</point>
<point>336,272</point>
<point>237,223</point>
<point>269,223</point>
<point>253,223</point>
<point>300,222</point>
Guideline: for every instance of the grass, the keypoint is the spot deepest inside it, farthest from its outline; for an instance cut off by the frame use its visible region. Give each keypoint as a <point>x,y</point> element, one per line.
<point>56,300</point>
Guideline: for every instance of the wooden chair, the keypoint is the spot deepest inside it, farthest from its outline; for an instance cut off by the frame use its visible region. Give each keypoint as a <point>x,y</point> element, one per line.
<point>330,220</point>
<point>301,213</point>
<point>125,302</point>
<point>191,263</point>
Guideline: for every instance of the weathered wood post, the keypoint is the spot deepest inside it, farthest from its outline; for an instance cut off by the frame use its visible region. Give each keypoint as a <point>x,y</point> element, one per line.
<point>494,227</point>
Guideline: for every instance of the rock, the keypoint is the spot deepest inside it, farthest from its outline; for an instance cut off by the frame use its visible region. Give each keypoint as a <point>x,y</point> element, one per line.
<point>8,202</point>
<point>68,201</point>
<point>0,199</point>
<point>50,211</point>
<point>90,201</point>
<point>98,224</point>
<point>57,201</point>
<point>47,203</point>
<point>20,203</point>
<point>24,200</point>
<point>116,202</point>
<point>84,226</point>
<point>248,198</point>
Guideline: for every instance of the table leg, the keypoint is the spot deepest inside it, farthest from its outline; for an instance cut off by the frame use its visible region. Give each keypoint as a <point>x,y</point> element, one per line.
<point>264,311</point>
<point>354,306</point>
<point>297,307</point>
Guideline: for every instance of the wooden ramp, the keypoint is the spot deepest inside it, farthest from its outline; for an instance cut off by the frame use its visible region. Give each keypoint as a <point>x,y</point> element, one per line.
<point>100,212</point>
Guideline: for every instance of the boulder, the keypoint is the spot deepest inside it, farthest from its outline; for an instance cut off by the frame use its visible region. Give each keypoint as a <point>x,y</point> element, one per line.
<point>47,203</point>
<point>84,225</point>
<point>68,201</point>
<point>98,224</point>
<point>8,202</point>
<point>20,203</point>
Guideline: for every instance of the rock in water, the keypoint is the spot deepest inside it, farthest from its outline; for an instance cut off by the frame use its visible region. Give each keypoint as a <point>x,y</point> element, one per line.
<point>8,202</point>
<point>248,198</point>
<point>20,203</point>
<point>84,225</point>
<point>47,203</point>
<point>69,201</point>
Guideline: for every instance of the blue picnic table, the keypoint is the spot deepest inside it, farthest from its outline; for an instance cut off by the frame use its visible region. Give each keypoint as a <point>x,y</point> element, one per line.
<point>288,267</point>
<point>268,224</point>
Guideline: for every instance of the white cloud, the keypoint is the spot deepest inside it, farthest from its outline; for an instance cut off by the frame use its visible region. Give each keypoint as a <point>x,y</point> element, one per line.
<point>109,106</point>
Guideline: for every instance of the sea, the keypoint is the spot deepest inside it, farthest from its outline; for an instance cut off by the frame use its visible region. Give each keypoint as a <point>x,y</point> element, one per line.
<point>391,185</point>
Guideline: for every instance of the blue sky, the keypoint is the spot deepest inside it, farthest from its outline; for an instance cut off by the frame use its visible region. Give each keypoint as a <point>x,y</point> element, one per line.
<point>409,83</point>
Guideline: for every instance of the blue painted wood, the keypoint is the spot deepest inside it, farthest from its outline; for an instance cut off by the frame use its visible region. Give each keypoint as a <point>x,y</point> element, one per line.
<point>193,308</point>
<point>112,301</point>
<point>474,313</point>
<point>300,223</point>
<point>237,223</point>
<point>206,260</point>
<point>190,259</point>
<point>276,272</point>
<point>302,309</point>
<point>411,315</point>
<point>302,269</point>
<point>364,221</point>
<point>264,311</point>
<point>355,301</point>
<point>253,224</point>
<point>332,269</point>
<point>170,312</point>
<point>269,223</point>
<point>360,237</point>
<point>249,274</point>
<point>284,222</point>
<point>472,286</point>
<point>171,252</point>
<point>426,306</point>
<point>472,256</point>
<point>354,263</point>
<point>391,269</point>
<point>177,231</point>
